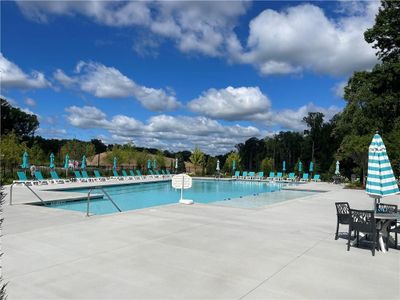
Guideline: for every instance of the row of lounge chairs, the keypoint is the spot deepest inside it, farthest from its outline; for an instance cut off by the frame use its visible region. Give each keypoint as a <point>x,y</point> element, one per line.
<point>275,177</point>
<point>83,176</point>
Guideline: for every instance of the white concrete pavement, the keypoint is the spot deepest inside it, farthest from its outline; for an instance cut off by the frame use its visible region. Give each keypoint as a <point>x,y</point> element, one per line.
<point>281,251</point>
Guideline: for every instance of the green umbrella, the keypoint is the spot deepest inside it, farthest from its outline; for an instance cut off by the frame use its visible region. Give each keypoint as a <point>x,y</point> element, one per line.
<point>284,166</point>
<point>155,164</point>
<point>300,167</point>
<point>311,166</point>
<point>25,161</point>
<point>52,165</point>
<point>148,164</point>
<point>234,165</point>
<point>83,164</point>
<point>115,163</point>
<point>66,162</point>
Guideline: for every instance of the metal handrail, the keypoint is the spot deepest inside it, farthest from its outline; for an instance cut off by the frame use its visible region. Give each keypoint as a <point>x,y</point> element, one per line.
<point>105,193</point>
<point>24,183</point>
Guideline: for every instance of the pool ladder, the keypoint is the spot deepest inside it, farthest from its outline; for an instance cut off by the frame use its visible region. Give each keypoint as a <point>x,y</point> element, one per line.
<point>33,192</point>
<point>105,193</point>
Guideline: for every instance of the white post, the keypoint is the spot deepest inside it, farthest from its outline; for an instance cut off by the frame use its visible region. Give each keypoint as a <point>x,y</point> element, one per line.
<point>183,184</point>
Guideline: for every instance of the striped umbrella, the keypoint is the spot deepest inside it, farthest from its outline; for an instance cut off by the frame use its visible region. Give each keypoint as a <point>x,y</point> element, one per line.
<point>234,165</point>
<point>52,165</point>
<point>337,172</point>
<point>25,161</point>
<point>115,163</point>
<point>380,181</point>
<point>311,166</point>
<point>66,162</point>
<point>83,164</point>
<point>284,166</point>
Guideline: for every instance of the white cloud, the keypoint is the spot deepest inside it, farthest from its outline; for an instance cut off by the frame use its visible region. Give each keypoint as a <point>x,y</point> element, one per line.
<point>30,102</point>
<point>302,37</point>
<point>231,103</point>
<point>13,77</point>
<point>51,132</point>
<point>195,26</point>
<point>338,89</point>
<point>163,131</point>
<point>108,82</point>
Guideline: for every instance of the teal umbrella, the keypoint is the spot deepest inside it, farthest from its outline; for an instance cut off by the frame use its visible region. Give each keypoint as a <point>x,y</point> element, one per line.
<point>52,165</point>
<point>284,166</point>
<point>148,164</point>
<point>83,164</point>
<point>337,172</point>
<point>66,162</point>
<point>155,164</point>
<point>300,167</point>
<point>115,163</point>
<point>311,166</point>
<point>380,181</point>
<point>234,165</point>
<point>25,161</point>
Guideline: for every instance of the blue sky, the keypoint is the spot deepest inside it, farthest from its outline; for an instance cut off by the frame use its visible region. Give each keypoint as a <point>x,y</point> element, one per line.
<point>173,75</point>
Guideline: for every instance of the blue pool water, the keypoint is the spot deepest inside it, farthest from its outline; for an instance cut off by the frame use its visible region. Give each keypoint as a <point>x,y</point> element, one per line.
<point>136,196</point>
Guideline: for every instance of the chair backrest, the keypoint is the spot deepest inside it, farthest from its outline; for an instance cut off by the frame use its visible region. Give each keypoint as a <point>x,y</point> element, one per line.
<point>244,173</point>
<point>316,177</point>
<point>77,174</point>
<point>85,174</point>
<point>251,174</point>
<point>291,175</point>
<point>386,208</point>
<point>279,174</point>
<point>261,174</point>
<point>22,176</point>
<point>362,220</point>
<point>124,173</point>
<point>157,173</point>
<point>271,174</point>
<point>138,172</point>
<point>237,173</point>
<point>163,172</point>
<point>115,173</point>
<point>305,176</point>
<point>97,173</point>
<point>168,173</point>
<point>132,173</point>
<point>38,175</point>
<point>54,175</point>
<point>151,172</point>
<point>343,212</point>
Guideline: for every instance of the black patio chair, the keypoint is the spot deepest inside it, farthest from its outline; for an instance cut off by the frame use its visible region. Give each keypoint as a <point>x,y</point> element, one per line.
<point>394,227</point>
<point>343,215</point>
<point>363,221</point>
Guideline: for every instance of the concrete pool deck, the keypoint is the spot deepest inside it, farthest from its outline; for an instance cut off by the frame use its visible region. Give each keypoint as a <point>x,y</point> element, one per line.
<point>281,251</point>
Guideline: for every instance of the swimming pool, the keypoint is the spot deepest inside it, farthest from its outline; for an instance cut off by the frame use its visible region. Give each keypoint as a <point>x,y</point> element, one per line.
<point>136,196</point>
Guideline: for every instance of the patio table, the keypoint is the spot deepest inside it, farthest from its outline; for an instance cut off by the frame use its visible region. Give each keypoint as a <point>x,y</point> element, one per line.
<point>383,221</point>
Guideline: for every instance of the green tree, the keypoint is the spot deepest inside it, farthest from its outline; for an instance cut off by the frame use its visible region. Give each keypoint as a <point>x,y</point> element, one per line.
<point>141,160</point>
<point>211,165</point>
<point>37,155</point>
<point>384,35</point>
<point>160,158</point>
<point>77,149</point>
<point>15,120</point>
<point>197,158</point>
<point>99,146</point>
<point>233,156</point>
<point>267,165</point>
<point>11,150</point>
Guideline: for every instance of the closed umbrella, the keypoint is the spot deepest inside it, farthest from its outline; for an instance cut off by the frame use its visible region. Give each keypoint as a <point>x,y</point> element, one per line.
<point>52,165</point>
<point>148,164</point>
<point>284,166</point>
<point>380,181</point>
<point>115,163</point>
<point>25,161</point>
<point>311,166</point>
<point>176,163</point>
<point>234,165</point>
<point>66,161</point>
<point>337,172</point>
<point>83,164</point>
<point>217,166</point>
<point>154,164</point>
<point>300,167</point>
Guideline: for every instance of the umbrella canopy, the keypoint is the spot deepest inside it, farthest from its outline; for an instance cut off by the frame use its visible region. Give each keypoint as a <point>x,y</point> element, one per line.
<point>234,165</point>
<point>148,164</point>
<point>380,181</point>
<point>300,166</point>
<point>115,163</point>
<point>155,164</point>
<point>25,161</point>
<point>83,164</point>
<point>217,165</point>
<point>311,166</point>
<point>337,172</point>
<point>52,165</point>
<point>176,163</point>
<point>66,162</point>
<point>284,165</point>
